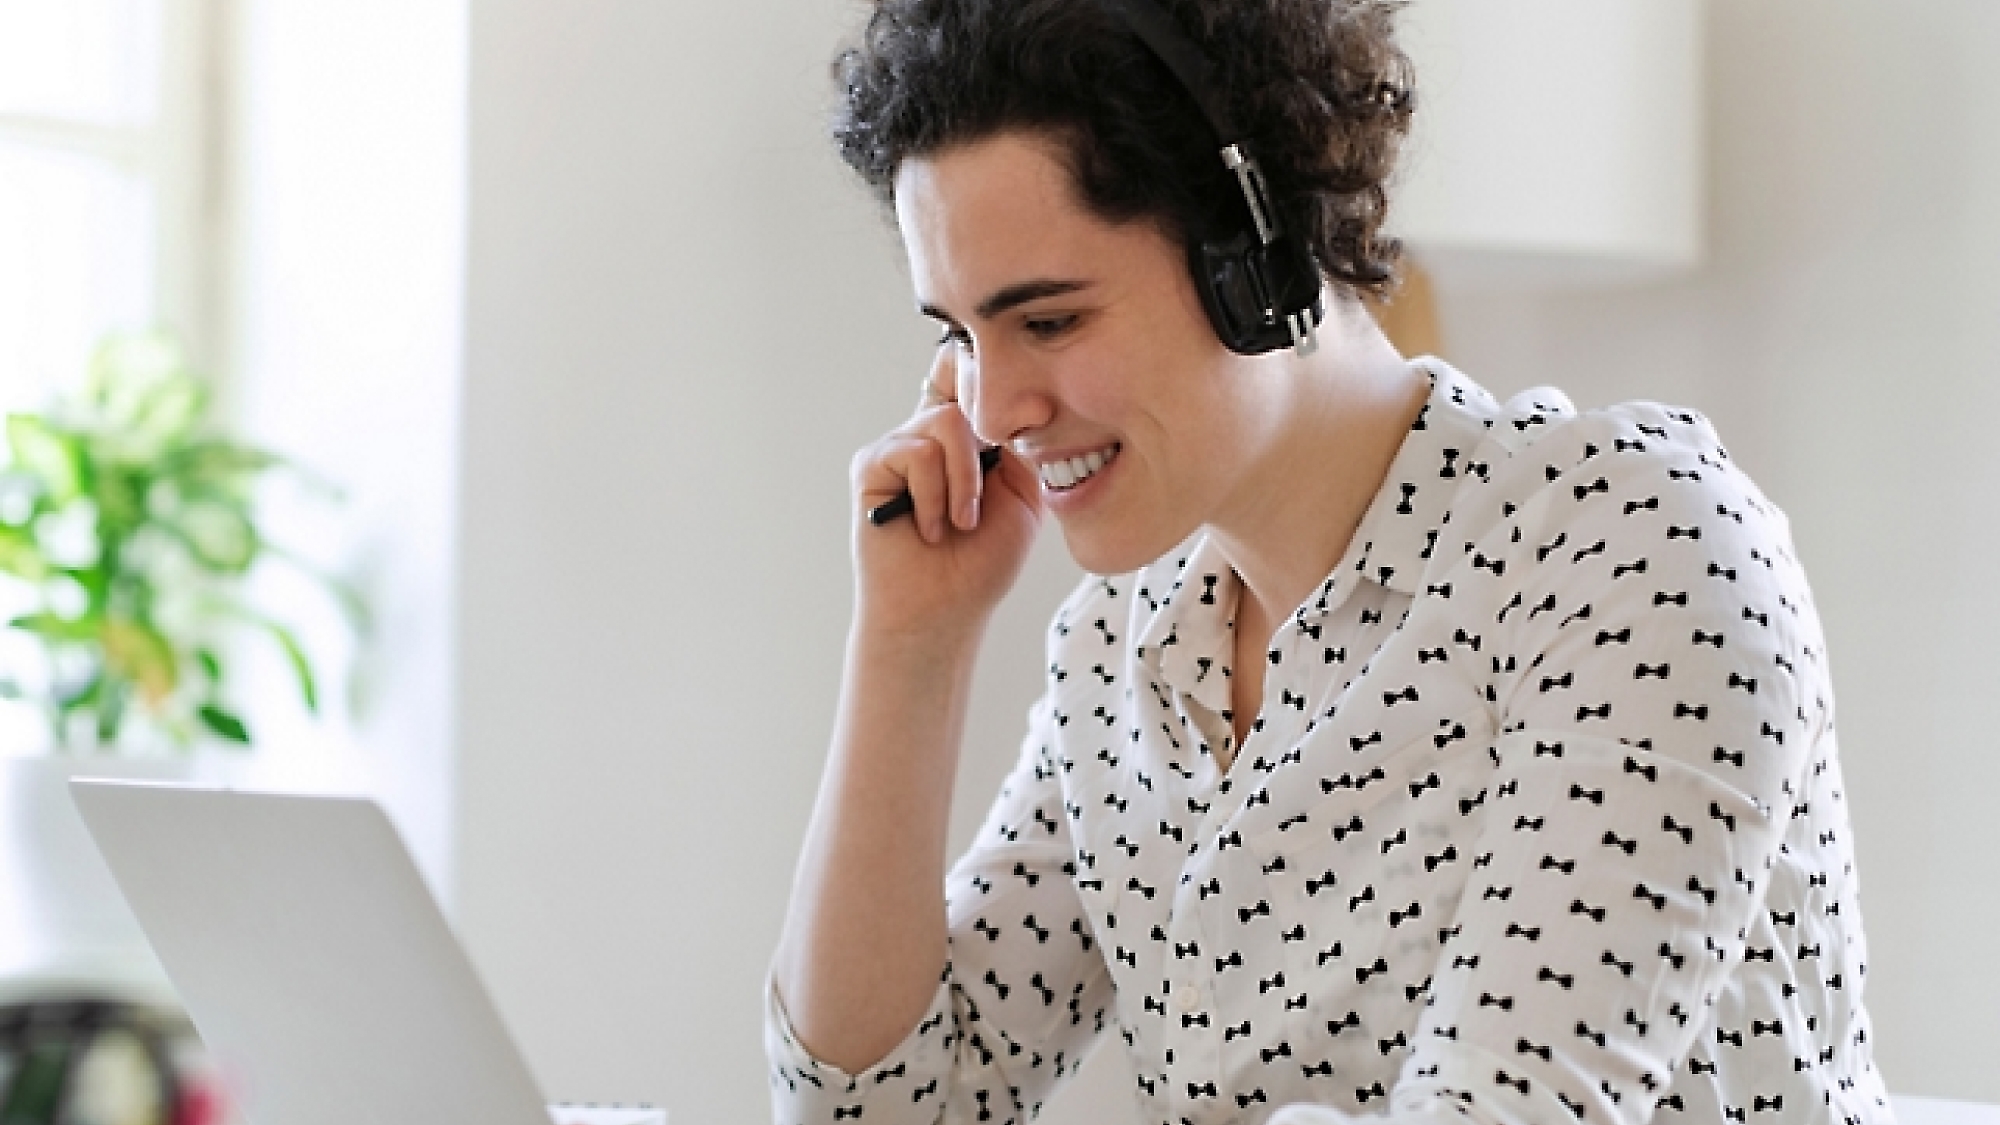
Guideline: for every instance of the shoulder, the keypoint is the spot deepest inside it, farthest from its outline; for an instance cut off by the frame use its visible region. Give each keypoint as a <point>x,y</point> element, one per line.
<point>1618,512</point>
<point>1652,596</point>
<point>1631,474</point>
<point>1637,515</point>
<point>1650,473</point>
<point>1644,470</point>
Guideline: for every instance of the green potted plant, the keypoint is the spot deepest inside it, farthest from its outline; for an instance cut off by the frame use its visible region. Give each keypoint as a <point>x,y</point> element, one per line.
<point>130,522</point>
<point>128,529</point>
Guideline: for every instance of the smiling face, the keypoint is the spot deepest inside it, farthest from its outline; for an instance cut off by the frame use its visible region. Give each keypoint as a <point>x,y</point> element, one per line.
<point>1083,346</point>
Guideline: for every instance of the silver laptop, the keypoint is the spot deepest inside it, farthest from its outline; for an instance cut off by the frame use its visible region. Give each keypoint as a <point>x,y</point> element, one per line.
<point>313,960</point>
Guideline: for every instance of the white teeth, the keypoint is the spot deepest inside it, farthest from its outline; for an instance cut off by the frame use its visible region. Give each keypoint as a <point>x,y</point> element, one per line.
<point>1061,475</point>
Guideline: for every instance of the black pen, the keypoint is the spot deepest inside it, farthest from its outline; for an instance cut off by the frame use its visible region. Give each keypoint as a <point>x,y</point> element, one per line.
<point>902,505</point>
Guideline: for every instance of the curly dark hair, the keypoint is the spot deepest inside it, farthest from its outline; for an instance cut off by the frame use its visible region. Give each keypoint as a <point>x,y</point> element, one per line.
<point>1318,88</point>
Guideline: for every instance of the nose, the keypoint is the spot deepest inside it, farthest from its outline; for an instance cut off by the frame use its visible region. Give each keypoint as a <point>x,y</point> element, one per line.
<point>1004,394</point>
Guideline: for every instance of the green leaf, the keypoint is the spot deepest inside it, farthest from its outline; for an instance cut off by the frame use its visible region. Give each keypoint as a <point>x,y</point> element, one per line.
<point>52,457</point>
<point>220,535</point>
<point>141,398</point>
<point>96,581</point>
<point>21,555</point>
<point>180,729</point>
<point>223,723</point>
<point>126,370</point>
<point>120,492</point>
<point>301,667</point>
<point>111,710</point>
<point>167,414</point>
<point>211,666</point>
<point>79,697</point>
<point>49,627</point>
<point>295,653</point>
<point>215,462</point>
<point>353,604</point>
<point>138,653</point>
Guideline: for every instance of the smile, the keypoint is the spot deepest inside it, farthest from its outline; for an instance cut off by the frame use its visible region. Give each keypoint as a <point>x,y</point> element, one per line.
<point>1060,476</point>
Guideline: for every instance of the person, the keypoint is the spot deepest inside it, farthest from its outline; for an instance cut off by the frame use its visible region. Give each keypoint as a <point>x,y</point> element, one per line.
<point>1406,755</point>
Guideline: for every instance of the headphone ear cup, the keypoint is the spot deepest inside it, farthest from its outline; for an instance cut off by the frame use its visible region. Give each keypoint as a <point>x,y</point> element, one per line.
<point>1293,277</point>
<point>1229,291</point>
<point>1239,280</point>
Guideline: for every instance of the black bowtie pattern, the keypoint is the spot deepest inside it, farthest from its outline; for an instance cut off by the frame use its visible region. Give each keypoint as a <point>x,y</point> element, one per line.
<point>1436,741</point>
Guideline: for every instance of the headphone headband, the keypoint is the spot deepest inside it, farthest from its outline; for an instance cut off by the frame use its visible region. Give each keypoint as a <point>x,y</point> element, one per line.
<point>1179,53</point>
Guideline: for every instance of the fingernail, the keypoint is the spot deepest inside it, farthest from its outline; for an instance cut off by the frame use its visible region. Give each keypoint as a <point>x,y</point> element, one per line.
<point>975,512</point>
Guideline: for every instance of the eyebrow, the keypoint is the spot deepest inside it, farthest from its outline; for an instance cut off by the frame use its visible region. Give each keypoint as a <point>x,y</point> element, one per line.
<point>1019,293</point>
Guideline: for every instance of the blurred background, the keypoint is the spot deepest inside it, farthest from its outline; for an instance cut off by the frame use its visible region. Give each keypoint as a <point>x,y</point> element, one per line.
<point>574,303</point>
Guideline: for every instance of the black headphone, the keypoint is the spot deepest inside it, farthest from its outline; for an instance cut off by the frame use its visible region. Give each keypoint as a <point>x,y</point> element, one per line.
<point>1261,288</point>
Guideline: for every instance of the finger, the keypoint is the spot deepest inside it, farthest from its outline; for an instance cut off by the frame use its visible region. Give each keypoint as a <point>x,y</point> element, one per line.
<point>962,474</point>
<point>946,425</point>
<point>944,371</point>
<point>914,463</point>
<point>940,383</point>
<point>876,470</point>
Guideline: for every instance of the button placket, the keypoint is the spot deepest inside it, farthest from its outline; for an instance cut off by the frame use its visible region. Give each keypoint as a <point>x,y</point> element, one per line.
<point>1285,705</point>
<point>1194,1026</point>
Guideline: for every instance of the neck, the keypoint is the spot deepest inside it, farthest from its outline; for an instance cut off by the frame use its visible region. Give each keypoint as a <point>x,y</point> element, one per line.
<point>1339,417</point>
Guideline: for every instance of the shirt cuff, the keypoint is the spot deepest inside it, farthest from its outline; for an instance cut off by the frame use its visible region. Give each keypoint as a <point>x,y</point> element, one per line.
<point>810,1091</point>
<point>1302,1114</point>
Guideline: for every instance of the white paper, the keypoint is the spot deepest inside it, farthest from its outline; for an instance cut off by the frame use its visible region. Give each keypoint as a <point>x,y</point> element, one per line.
<point>602,1115</point>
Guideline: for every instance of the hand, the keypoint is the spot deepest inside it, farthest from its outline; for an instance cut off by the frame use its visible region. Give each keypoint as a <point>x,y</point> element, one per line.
<point>951,561</point>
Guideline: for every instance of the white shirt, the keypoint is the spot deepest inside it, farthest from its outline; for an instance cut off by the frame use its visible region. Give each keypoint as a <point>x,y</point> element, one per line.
<point>1541,820</point>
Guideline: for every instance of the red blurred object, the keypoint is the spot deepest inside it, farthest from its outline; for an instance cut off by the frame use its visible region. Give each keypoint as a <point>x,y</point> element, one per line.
<point>201,1103</point>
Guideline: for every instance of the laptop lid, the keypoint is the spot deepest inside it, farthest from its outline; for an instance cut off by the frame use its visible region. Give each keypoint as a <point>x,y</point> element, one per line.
<point>313,960</point>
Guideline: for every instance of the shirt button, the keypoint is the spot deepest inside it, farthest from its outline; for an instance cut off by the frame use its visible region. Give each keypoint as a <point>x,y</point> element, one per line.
<point>1189,997</point>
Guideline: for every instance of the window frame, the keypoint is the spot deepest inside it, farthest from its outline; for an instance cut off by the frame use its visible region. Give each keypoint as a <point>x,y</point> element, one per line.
<point>180,157</point>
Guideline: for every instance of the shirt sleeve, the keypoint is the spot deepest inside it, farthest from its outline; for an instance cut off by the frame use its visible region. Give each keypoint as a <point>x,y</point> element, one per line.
<point>1658,683</point>
<point>1023,997</point>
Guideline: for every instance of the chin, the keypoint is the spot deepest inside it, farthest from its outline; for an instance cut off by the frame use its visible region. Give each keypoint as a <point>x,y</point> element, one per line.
<point>1103,553</point>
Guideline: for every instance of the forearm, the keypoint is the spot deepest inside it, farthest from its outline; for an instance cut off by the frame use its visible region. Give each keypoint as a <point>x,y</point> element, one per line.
<point>864,941</point>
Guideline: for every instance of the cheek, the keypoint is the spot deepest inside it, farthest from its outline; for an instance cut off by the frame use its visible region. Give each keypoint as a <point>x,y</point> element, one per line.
<point>1102,394</point>
<point>1141,380</point>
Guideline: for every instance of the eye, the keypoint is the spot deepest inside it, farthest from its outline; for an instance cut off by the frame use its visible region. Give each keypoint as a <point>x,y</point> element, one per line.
<point>1049,327</point>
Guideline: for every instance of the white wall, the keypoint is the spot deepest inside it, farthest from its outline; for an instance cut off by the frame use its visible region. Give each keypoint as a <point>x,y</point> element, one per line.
<point>347,186</point>
<point>1845,337</point>
<point>681,319</point>
<point>681,316</point>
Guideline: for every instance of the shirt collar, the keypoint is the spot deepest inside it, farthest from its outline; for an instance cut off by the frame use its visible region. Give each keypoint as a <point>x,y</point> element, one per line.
<point>1187,641</point>
<point>1191,594</point>
<point>1393,543</point>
